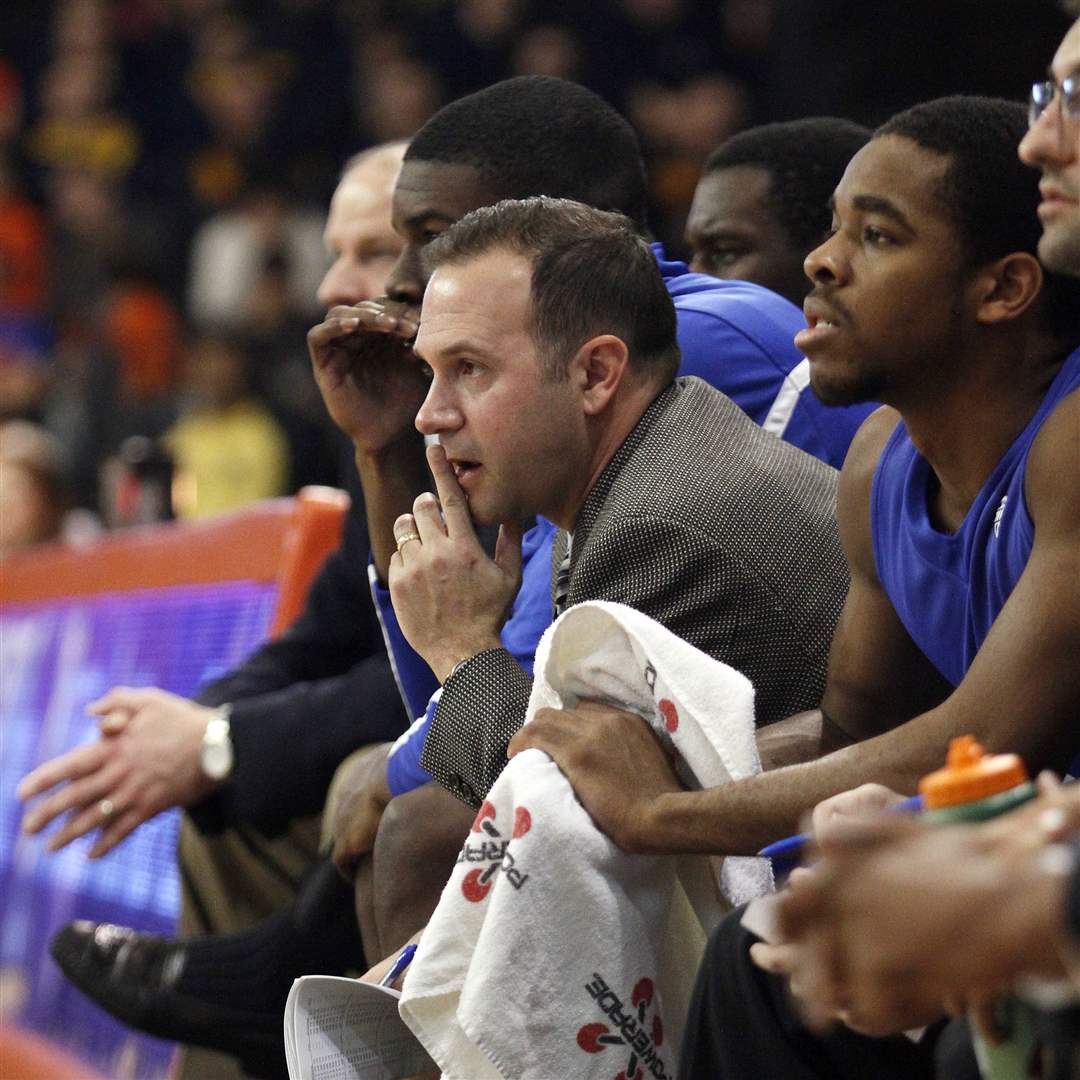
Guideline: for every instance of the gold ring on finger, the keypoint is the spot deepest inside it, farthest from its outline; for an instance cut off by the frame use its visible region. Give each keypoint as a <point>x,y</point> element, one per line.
<point>402,540</point>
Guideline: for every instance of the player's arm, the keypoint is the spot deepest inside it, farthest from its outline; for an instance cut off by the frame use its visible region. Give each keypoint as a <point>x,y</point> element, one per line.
<point>1020,693</point>
<point>878,677</point>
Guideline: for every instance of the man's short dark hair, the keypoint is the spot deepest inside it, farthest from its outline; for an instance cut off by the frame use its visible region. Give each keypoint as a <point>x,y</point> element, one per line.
<point>539,135</point>
<point>591,274</point>
<point>805,160</point>
<point>991,196</point>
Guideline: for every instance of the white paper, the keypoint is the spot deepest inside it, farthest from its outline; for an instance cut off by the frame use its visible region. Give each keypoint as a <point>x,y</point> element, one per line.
<point>761,917</point>
<point>343,1029</point>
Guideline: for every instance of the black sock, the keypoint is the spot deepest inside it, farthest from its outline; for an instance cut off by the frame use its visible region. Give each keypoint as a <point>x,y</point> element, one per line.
<point>254,969</point>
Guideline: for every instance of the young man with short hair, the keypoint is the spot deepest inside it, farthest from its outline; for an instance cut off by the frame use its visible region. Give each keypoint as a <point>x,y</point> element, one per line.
<point>960,914</point>
<point>762,202</point>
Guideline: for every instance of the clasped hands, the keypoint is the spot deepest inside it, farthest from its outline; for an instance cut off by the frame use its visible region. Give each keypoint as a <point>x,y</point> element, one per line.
<point>901,922</point>
<point>449,597</point>
<point>145,760</point>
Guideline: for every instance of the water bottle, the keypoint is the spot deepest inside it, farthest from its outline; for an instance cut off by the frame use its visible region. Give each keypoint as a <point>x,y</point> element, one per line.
<point>975,786</point>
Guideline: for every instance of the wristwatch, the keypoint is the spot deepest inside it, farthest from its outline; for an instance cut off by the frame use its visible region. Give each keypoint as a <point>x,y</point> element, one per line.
<point>216,755</point>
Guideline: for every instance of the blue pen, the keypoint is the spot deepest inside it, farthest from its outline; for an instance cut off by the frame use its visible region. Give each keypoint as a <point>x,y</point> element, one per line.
<point>400,964</point>
<point>788,849</point>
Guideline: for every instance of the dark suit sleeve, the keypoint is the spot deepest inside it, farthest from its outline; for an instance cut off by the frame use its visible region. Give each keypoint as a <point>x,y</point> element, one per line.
<point>483,704</point>
<point>288,744</point>
<point>302,703</point>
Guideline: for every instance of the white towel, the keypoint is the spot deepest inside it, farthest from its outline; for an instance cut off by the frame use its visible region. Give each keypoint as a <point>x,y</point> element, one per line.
<point>546,955</point>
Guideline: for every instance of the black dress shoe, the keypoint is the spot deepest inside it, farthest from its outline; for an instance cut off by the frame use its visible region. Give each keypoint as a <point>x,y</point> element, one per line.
<point>135,977</point>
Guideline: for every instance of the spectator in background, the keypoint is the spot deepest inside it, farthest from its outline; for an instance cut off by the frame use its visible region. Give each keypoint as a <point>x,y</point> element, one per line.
<point>395,96</point>
<point>25,366</point>
<point>469,42</point>
<point>763,201</point>
<point>33,496</point>
<point>117,332</point>
<point>36,503</point>
<point>679,125</point>
<point>141,328</point>
<point>79,123</point>
<point>89,233</point>
<point>23,253</point>
<point>228,448</point>
<point>550,49</point>
<point>235,252</point>
<point>236,84</point>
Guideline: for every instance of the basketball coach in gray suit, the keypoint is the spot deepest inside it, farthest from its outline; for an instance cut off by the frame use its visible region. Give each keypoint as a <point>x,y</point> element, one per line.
<point>551,343</point>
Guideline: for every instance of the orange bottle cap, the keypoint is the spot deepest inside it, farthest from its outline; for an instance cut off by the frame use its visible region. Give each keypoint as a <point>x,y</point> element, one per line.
<point>970,774</point>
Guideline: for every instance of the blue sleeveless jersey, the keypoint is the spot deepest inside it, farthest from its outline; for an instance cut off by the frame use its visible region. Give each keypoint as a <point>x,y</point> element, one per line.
<point>948,588</point>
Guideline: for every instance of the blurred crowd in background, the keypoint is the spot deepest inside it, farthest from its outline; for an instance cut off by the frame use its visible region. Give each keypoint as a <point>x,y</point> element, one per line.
<point>165,166</point>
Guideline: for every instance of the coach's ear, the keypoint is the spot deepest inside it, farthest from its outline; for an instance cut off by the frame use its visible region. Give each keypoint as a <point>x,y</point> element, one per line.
<point>1003,290</point>
<point>598,368</point>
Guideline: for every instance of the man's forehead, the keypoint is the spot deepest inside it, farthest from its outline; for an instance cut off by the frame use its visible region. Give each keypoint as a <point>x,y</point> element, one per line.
<point>492,278</point>
<point>439,189</point>
<point>728,190</point>
<point>898,170</point>
<point>364,193</point>
<point>1066,60</point>
<point>490,290</point>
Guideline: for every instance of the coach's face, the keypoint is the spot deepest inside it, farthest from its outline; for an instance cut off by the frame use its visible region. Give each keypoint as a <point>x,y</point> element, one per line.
<point>516,439</point>
<point>1053,145</point>
<point>887,283</point>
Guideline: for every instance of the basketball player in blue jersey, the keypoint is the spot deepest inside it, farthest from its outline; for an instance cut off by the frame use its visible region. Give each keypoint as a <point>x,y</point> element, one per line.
<point>959,521</point>
<point>897,905</point>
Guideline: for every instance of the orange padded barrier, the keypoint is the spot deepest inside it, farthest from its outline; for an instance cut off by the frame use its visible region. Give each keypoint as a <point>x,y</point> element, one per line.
<point>285,540</point>
<point>314,532</point>
<point>24,1056</point>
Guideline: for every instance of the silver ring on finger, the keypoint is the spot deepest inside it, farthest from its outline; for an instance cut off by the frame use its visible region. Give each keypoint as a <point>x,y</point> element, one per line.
<point>106,808</point>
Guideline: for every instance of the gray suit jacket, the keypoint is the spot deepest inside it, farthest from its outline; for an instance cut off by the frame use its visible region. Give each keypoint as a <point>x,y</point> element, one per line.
<point>709,525</point>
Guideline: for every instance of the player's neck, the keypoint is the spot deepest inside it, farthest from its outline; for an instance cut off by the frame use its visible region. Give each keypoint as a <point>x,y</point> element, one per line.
<point>964,429</point>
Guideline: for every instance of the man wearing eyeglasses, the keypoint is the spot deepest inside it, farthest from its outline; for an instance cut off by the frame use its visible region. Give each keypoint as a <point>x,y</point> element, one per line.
<point>1053,145</point>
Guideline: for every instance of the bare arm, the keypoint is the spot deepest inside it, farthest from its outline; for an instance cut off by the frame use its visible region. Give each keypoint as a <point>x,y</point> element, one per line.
<point>1020,693</point>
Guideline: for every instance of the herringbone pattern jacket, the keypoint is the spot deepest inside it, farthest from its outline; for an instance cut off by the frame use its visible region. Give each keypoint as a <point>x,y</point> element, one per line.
<point>709,525</point>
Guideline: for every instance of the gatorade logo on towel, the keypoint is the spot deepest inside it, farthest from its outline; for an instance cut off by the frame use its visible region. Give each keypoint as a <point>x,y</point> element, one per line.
<point>491,849</point>
<point>638,1029</point>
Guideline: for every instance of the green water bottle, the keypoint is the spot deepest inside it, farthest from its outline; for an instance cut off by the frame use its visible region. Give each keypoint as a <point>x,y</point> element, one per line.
<point>975,786</point>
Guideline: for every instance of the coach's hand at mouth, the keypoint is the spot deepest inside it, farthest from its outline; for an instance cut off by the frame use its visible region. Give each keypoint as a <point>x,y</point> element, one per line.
<point>450,598</point>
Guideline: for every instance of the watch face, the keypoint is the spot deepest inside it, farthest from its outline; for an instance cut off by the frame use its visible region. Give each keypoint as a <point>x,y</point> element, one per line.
<point>217,760</point>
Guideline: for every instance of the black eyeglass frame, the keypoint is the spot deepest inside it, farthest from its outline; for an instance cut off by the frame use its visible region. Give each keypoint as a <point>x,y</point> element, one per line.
<point>1066,93</point>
